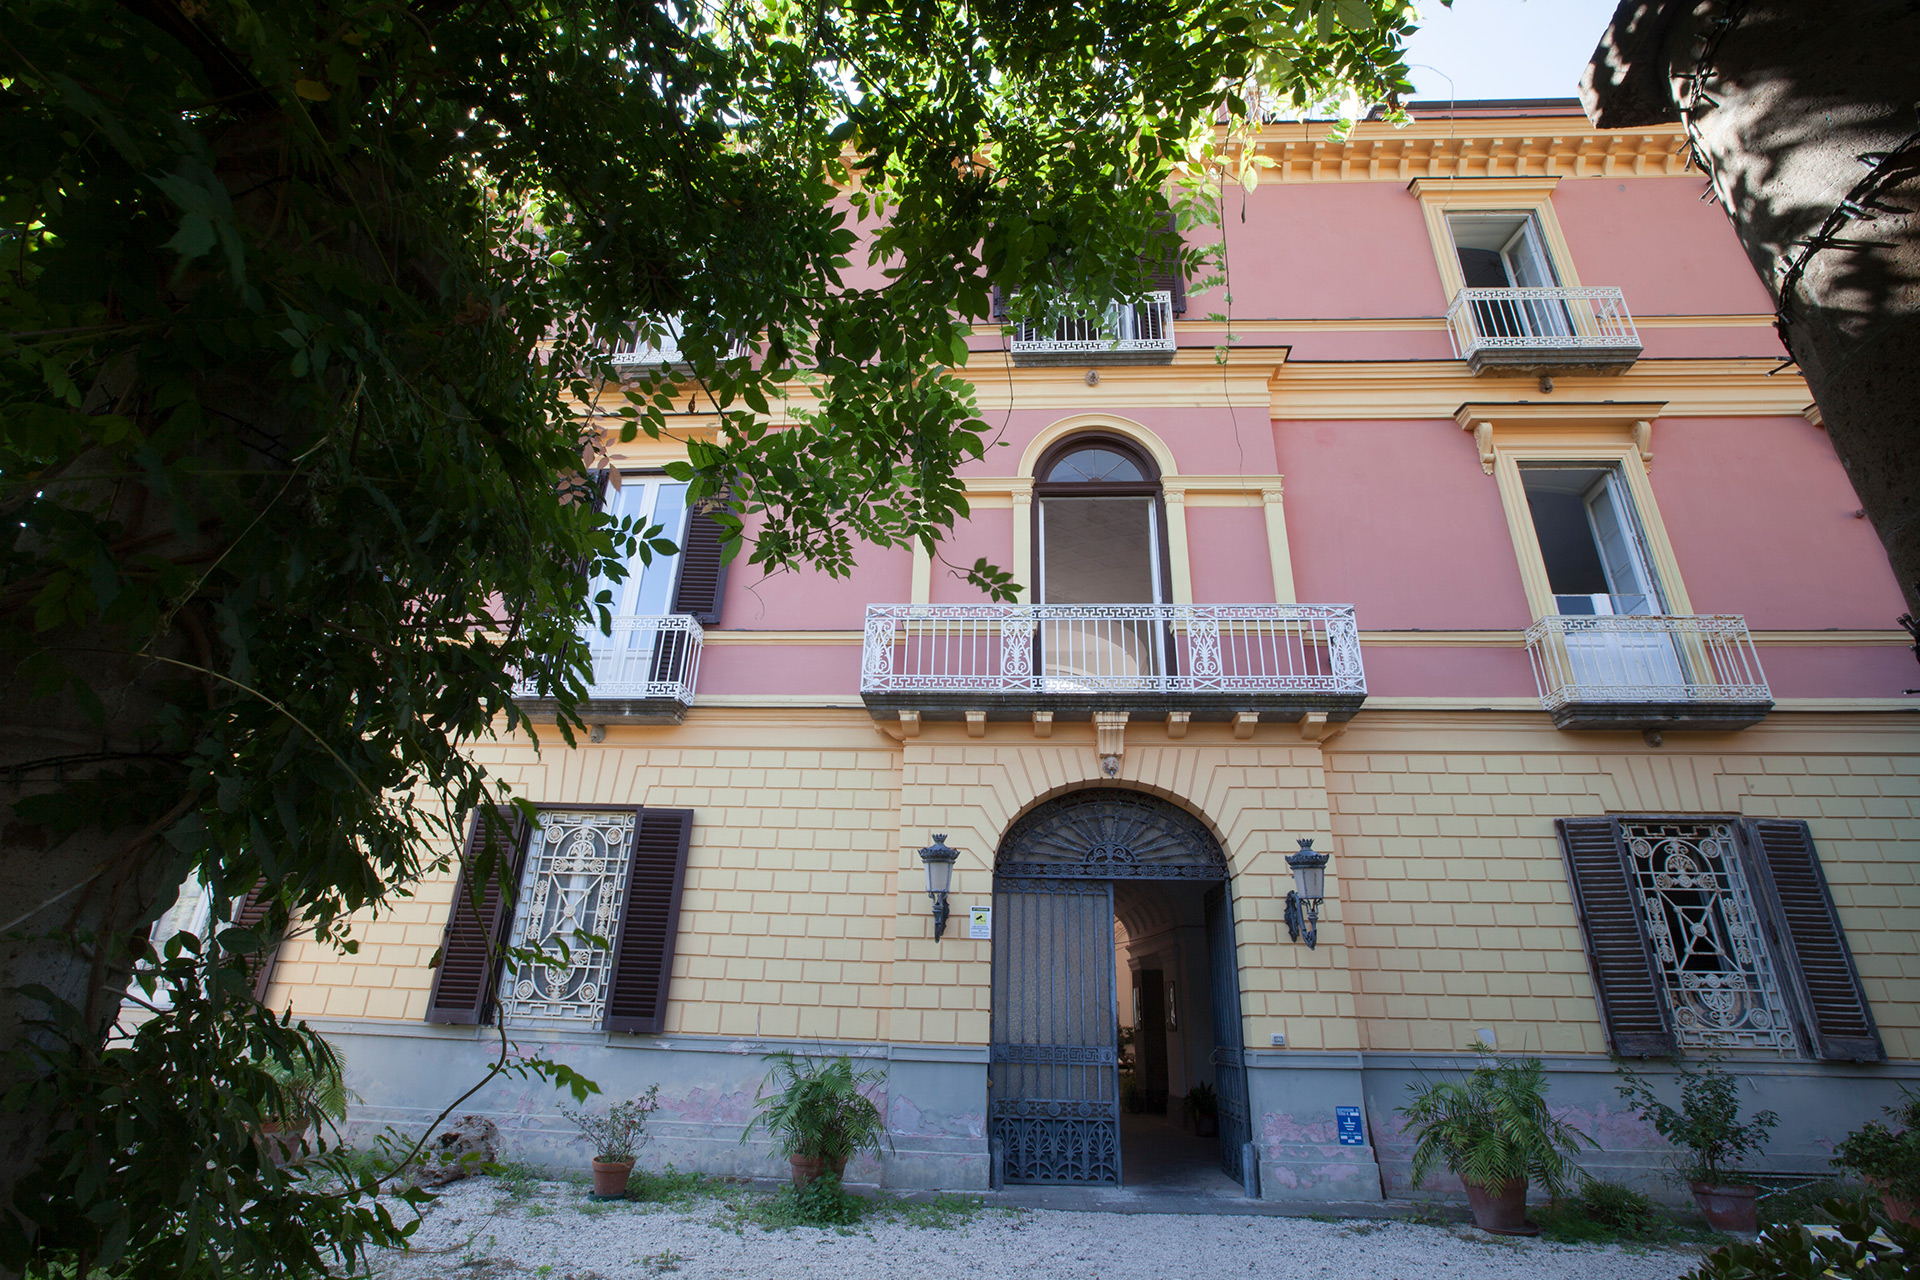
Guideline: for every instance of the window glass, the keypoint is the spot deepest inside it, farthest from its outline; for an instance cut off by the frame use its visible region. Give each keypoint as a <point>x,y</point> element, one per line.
<point>1098,551</point>
<point>647,589</point>
<point>1095,464</point>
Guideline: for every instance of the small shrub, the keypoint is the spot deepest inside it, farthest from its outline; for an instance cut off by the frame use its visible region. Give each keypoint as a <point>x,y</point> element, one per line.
<point>674,1189</point>
<point>1861,1246</point>
<point>1706,1124</point>
<point>1618,1207</point>
<point>819,1109</point>
<point>821,1203</point>
<point>1890,1159</point>
<point>622,1131</point>
<point>1493,1126</point>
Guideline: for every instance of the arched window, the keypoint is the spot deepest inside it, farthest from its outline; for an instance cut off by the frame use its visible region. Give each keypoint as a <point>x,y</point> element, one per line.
<point>1099,527</point>
<point>1099,539</point>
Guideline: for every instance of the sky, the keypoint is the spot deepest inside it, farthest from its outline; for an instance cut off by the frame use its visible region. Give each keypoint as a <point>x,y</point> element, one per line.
<point>1505,48</point>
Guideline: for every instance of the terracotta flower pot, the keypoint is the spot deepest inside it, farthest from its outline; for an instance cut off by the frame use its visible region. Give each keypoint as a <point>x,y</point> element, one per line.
<point>1500,1208</point>
<point>1727,1208</point>
<point>279,1141</point>
<point>610,1178</point>
<point>807,1168</point>
<point>1901,1210</point>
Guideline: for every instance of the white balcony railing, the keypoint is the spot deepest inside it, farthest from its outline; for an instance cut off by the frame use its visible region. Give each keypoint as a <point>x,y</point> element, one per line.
<point>655,658</point>
<point>1497,323</point>
<point>1145,328</point>
<point>625,352</point>
<point>1645,659</point>
<point>1112,648</point>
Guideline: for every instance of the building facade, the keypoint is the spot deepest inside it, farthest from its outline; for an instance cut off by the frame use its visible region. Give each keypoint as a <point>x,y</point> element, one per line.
<point>1487,547</point>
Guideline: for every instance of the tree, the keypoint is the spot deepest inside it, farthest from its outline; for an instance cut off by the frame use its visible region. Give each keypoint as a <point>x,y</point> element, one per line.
<point>1804,121</point>
<point>302,387</point>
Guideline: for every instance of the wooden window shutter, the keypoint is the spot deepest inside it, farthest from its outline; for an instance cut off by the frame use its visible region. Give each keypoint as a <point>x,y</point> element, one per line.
<point>469,957</point>
<point>252,910</point>
<point>1840,1024</point>
<point>643,953</point>
<point>1618,951</point>
<point>1165,265</point>
<point>703,575</point>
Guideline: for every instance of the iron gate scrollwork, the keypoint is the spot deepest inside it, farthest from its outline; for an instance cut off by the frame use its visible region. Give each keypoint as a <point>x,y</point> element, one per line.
<point>1053,1103</point>
<point>1229,1051</point>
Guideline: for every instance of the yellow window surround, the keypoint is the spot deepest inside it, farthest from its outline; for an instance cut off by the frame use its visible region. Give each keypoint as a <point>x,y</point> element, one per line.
<point>1441,196</point>
<point>1616,435</point>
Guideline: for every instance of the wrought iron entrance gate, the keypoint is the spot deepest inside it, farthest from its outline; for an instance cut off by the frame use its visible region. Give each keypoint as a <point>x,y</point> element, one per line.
<point>1055,1096</point>
<point>1053,1106</point>
<point>1229,1052</point>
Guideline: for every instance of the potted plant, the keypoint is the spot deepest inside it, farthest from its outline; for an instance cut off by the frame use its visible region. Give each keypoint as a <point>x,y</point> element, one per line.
<point>1890,1162</point>
<point>306,1091</point>
<point>615,1137</point>
<point>1707,1125</point>
<point>817,1113</point>
<point>1203,1108</point>
<point>1494,1130</point>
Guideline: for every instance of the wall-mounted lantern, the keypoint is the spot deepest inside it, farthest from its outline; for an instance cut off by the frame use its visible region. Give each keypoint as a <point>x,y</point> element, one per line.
<point>1308,892</point>
<point>939,861</point>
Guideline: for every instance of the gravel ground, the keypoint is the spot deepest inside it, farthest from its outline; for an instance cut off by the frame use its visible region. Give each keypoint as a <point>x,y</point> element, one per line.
<point>553,1231</point>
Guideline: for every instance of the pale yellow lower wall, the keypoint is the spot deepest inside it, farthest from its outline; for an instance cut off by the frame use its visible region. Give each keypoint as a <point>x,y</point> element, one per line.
<point>1458,908</point>
<point>805,913</point>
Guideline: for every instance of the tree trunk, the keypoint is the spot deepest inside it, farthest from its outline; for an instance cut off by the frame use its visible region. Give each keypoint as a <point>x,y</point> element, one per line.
<point>1796,105</point>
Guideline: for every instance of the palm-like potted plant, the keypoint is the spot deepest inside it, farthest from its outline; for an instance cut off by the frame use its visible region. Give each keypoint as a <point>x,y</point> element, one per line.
<point>1203,1108</point>
<point>1707,1126</point>
<point>1494,1130</point>
<point>616,1137</point>
<point>306,1091</point>
<point>1889,1161</point>
<point>818,1113</point>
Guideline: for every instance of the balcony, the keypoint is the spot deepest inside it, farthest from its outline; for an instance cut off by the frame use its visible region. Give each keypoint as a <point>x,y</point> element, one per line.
<point>634,352</point>
<point>643,673</point>
<point>1648,672</point>
<point>1137,334</point>
<point>1543,330</point>
<point>1210,662</point>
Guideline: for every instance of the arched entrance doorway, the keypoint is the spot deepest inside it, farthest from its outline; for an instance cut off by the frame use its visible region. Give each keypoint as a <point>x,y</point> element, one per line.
<point>1054,1097</point>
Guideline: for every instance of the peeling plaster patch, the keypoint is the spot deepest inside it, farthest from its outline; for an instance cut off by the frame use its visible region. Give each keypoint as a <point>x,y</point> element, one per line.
<point>1277,1127</point>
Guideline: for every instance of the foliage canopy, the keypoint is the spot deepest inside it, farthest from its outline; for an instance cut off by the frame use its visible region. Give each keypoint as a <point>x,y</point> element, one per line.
<point>301,311</point>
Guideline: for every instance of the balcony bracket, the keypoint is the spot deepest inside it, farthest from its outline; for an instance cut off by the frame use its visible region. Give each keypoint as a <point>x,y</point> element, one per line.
<point>1245,721</point>
<point>1110,740</point>
<point>1177,723</point>
<point>1043,724</point>
<point>977,724</point>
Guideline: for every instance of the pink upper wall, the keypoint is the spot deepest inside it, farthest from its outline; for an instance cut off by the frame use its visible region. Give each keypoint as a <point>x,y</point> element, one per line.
<point>1397,519</point>
<point>1227,552</point>
<point>812,601</point>
<point>1761,519</point>
<point>1204,441</point>
<point>1659,243</point>
<point>988,534</point>
<point>1325,251</point>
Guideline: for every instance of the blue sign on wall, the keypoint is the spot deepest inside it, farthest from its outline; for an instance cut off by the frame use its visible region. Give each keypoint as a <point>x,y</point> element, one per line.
<point>1347,1121</point>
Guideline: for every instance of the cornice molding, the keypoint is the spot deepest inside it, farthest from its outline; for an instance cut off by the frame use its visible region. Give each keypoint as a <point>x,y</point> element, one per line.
<point>1465,149</point>
<point>1390,389</point>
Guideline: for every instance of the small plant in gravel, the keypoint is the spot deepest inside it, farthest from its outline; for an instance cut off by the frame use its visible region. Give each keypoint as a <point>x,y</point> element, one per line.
<point>943,1212</point>
<point>677,1190</point>
<point>517,1181</point>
